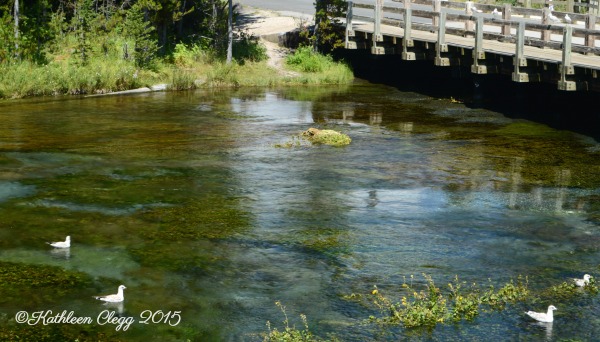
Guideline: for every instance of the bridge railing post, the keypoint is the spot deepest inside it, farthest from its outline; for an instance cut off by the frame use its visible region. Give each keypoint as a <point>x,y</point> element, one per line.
<point>377,37</point>
<point>349,27</point>
<point>506,15</point>
<point>441,45</point>
<point>520,60</point>
<point>478,52</point>
<point>590,24</point>
<point>566,67</point>
<point>545,21</point>
<point>437,8</point>
<point>469,11</point>
<point>407,40</point>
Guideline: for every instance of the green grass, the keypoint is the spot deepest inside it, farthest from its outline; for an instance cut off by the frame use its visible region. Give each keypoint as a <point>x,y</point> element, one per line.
<point>188,67</point>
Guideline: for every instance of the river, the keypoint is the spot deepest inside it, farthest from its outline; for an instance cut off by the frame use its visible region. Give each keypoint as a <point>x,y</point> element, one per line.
<point>189,200</point>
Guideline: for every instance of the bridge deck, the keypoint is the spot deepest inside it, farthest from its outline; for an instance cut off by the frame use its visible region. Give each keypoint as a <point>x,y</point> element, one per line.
<point>491,46</point>
<point>532,39</point>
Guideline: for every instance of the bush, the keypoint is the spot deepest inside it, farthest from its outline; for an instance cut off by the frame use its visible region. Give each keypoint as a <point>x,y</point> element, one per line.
<point>306,60</point>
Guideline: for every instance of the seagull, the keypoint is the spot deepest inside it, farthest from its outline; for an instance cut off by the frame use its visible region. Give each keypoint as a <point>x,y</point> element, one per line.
<point>61,244</point>
<point>553,17</point>
<point>543,317</point>
<point>582,282</point>
<point>475,9</point>
<point>568,19</point>
<point>496,12</point>
<point>113,298</point>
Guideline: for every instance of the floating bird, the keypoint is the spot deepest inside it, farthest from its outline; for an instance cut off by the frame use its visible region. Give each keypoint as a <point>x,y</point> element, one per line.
<point>582,282</point>
<point>496,12</point>
<point>113,298</point>
<point>568,19</point>
<point>61,244</point>
<point>543,317</point>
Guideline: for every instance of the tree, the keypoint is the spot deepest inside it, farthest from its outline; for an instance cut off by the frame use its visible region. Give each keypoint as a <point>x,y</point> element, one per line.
<point>230,33</point>
<point>16,14</point>
<point>328,33</point>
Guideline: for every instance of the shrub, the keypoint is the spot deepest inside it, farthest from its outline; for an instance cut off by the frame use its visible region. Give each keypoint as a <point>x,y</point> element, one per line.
<point>306,60</point>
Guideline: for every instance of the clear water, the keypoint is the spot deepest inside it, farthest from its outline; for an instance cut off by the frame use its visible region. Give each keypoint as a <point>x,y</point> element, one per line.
<point>185,199</point>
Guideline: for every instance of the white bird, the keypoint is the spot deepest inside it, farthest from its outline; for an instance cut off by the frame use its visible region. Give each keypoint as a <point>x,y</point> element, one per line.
<point>543,317</point>
<point>474,9</point>
<point>496,12</point>
<point>582,282</point>
<point>61,244</point>
<point>113,298</point>
<point>553,17</point>
<point>568,19</point>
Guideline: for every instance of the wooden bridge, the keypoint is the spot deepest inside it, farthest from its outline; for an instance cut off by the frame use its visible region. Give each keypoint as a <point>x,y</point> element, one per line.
<point>526,44</point>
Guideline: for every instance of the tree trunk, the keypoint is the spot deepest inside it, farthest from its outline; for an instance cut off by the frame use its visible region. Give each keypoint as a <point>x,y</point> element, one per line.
<point>213,24</point>
<point>17,29</point>
<point>230,33</point>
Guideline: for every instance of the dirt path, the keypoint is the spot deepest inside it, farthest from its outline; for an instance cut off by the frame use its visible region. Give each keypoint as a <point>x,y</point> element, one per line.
<point>268,25</point>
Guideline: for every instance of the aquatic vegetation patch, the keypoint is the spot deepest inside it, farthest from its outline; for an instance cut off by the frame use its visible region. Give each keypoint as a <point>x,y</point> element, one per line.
<point>326,137</point>
<point>433,306</point>
<point>568,290</point>
<point>37,283</point>
<point>206,218</point>
<point>291,333</point>
<point>56,332</point>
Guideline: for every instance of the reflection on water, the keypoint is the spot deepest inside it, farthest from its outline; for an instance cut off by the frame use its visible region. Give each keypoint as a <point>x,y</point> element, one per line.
<point>184,198</point>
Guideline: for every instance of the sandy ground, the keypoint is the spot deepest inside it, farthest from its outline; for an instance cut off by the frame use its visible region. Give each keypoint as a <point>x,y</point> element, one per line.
<point>268,25</point>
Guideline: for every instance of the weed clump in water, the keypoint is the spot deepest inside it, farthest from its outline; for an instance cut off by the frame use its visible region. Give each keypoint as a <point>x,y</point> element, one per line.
<point>326,137</point>
<point>433,306</point>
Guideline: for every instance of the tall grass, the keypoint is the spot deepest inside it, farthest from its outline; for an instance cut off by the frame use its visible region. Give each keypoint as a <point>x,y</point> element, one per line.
<point>108,69</point>
<point>316,68</point>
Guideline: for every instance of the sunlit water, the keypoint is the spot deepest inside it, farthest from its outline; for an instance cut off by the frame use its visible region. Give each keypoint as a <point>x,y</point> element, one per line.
<point>187,200</point>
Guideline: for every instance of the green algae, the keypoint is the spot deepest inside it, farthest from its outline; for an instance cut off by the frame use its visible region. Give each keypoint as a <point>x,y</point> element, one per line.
<point>15,275</point>
<point>38,283</point>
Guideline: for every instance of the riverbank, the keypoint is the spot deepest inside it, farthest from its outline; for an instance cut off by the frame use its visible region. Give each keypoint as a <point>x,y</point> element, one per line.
<point>259,61</point>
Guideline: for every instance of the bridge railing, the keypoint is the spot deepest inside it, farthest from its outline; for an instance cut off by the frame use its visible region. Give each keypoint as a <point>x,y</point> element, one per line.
<point>540,24</point>
<point>518,25</point>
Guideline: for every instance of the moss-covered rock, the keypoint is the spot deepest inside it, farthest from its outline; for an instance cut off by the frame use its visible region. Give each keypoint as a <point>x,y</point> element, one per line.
<point>326,137</point>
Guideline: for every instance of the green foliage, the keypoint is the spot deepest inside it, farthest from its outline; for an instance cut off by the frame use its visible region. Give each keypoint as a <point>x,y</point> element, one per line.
<point>568,290</point>
<point>326,137</point>
<point>306,60</point>
<point>182,80</point>
<point>318,68</point>
<point>329,33</point>
<point>142,33</point>
<point>509,293</point>
<point>188,56</point>
<point>432,306</point>
<point>247,48</point>
<point>290,334</point>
